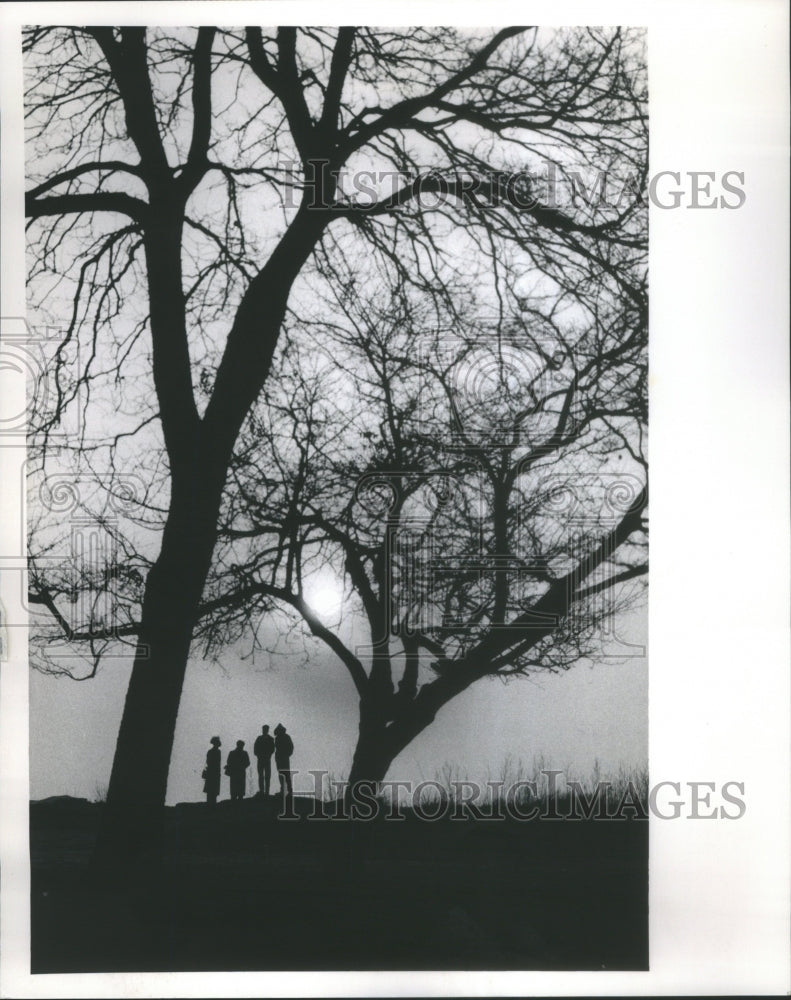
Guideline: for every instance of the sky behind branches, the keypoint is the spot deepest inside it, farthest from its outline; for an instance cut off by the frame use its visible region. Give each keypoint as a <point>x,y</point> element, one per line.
<point>571,720</point>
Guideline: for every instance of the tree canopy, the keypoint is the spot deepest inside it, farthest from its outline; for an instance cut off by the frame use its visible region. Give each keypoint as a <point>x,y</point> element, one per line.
<point>320,289</point>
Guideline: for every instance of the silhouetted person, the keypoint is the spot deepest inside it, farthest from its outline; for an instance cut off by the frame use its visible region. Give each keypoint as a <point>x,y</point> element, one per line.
<point>236,768</point>
<point>263,748</point>
<point>284,747</point>
<point>211,773</point>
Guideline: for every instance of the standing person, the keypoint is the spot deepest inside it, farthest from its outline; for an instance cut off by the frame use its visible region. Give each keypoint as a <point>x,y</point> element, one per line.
<point>211,773</point>
<point>236,768</point>
<point>263,748</point>
<point>284,747</point>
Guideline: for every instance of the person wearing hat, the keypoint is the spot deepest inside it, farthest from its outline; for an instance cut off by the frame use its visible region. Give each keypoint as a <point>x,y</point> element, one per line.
<point>211,773</point>
<point>236,769</point>
<point>284,747</point>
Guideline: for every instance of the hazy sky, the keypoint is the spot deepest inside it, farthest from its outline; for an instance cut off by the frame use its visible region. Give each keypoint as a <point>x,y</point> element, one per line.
<point>571,719</point>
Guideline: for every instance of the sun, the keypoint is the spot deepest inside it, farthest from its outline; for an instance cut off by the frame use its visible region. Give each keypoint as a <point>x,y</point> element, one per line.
<point>324,593</point>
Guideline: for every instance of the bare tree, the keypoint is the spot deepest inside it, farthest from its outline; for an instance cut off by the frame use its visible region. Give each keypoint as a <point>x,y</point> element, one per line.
<point>184,188</point>
<point>481,489</point>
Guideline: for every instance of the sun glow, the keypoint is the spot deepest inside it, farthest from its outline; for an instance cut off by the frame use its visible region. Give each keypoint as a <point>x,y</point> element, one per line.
<point>324,594</point>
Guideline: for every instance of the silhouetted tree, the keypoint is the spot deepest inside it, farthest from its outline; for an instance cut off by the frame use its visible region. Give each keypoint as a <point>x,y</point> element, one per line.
<point>185,187</point>
<point>479,490</point>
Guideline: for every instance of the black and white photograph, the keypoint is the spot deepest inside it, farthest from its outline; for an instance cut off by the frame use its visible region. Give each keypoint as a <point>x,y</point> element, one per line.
<point>338,351</point>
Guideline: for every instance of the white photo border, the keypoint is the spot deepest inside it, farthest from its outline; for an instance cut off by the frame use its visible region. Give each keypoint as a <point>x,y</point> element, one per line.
<point>719,689</point>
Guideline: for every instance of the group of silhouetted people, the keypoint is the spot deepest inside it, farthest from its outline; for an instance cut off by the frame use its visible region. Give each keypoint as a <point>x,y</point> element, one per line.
<point>265,747</point>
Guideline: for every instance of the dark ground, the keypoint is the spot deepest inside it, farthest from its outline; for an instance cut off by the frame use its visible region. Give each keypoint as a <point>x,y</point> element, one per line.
<point>239,889</point>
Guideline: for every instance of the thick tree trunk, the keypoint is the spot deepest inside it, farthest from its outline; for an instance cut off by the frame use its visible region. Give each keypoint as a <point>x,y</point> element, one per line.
<point>373,754</point>
<point>389,723</point>
<point>386,727</point>
<point>138,782</point>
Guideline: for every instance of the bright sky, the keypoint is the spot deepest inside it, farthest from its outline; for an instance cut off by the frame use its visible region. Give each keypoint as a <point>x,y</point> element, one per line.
<point>570,720</point>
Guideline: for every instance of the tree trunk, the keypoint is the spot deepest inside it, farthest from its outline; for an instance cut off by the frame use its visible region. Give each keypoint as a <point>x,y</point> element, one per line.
<point>199,453</point>
<point>373,754</point>
<point>132,822</point>
<point>389,723</point>
<point>386,727</point>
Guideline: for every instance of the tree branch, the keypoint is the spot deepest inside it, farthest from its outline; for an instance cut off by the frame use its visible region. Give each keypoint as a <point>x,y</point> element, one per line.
<point>197,158</point>
<point>241,596</point>
<point>104,201</point>
<point>127,59</point>
<point>45,598</point>
<point>402,114</point>
<point>611,581</point>
<point>109,166</point>
<point>284,83</point>
<point>341,59</point>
